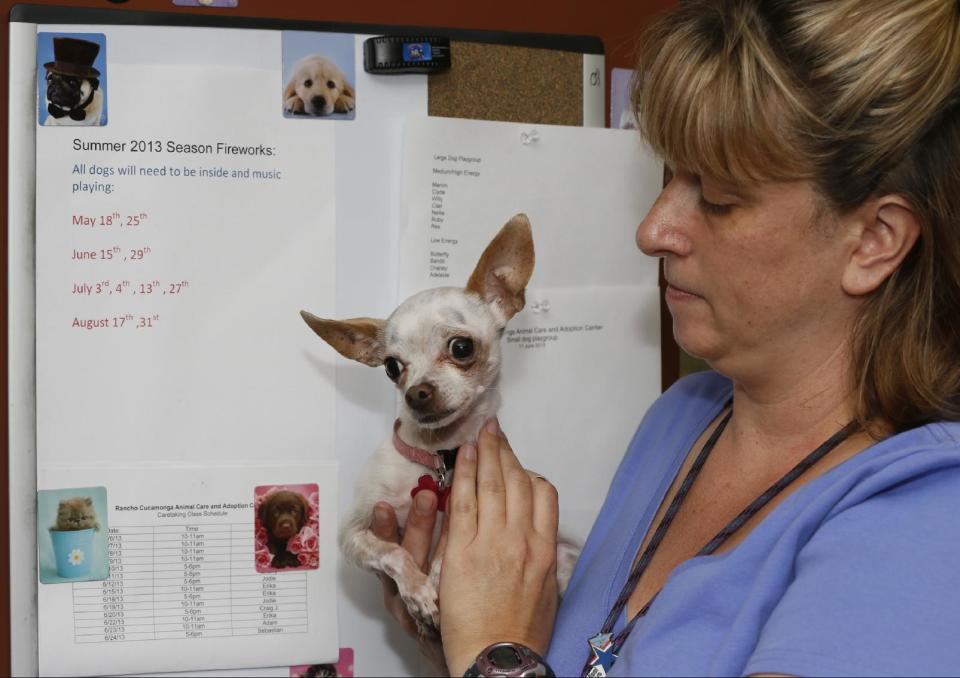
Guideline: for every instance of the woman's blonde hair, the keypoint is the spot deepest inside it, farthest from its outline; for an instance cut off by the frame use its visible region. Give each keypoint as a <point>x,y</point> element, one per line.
<point>860,97</point>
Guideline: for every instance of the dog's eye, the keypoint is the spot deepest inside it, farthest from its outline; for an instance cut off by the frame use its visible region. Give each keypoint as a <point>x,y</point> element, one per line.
<point>394,368</point>
<point>308,83</point>
<point>331,84</point>
<point>461,348</point>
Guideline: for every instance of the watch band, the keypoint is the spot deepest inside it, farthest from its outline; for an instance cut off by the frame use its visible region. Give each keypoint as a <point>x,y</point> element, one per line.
<point>509,660</point>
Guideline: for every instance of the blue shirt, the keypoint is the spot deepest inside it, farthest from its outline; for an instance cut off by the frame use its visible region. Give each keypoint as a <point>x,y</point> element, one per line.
<point>857,572</point>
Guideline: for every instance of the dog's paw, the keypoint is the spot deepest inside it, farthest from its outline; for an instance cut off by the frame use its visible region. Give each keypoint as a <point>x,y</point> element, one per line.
<point>293,104</point>
<point>421,601</point>
<point>344,104</point>
<point>434,575</point>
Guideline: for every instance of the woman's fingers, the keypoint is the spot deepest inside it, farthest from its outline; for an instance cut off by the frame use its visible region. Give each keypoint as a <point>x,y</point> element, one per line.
<point>462,502</point>
<point>519,496</point>
<point>546,508</point>
<point>442,542</point>
<point>384,525</point>
<point>418,532</point>
<point>384,522</point>
<point>491,490</point>
<point>395,605</point>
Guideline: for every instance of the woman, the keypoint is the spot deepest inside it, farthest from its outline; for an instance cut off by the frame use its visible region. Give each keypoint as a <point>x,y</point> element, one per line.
<point>793,511</point>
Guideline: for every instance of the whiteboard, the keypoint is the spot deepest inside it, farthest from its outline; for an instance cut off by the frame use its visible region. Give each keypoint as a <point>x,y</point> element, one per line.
<point>366,171</point>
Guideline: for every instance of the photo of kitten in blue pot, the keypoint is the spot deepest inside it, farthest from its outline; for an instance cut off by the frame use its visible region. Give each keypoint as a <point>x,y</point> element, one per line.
<point>73,536</point>
<point>76,549</point>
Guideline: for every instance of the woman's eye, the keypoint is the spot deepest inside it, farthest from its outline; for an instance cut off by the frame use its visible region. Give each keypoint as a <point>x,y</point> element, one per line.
<point>308,83</point>
<point>461,348</point>
<point>714,208</point>
<point>393,367</point>
<point>331,84</point>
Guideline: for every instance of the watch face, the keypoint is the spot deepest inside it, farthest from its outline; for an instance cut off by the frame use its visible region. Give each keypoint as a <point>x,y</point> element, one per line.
<point>505,657</point>
<point>508,659</point>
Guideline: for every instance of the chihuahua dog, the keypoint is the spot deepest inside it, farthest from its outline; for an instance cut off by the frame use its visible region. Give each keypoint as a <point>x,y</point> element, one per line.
<point>441,348</point>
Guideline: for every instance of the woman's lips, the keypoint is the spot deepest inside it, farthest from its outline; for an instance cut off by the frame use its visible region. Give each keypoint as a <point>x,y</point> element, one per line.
<point>676,294</point>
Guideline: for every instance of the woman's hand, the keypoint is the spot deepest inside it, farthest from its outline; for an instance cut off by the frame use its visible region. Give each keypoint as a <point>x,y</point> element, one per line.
<point>417,539</point>
<point>498,582</point>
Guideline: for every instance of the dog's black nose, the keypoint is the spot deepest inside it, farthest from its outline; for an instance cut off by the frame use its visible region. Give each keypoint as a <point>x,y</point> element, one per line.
<point>419,396</point>
<point>318,101</point>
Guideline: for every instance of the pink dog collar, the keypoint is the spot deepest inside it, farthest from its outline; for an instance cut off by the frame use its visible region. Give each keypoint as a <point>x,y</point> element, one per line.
<point>429,459</point>
<point>440,462</point>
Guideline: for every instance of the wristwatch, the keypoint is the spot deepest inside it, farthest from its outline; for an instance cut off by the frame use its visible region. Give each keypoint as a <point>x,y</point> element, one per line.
<point>509,660</point>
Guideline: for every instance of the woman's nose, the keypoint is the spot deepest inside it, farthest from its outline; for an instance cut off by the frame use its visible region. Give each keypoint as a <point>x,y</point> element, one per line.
<point>666,228</point>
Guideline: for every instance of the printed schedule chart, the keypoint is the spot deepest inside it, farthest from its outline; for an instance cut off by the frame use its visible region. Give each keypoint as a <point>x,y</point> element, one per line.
<point>187,581</point>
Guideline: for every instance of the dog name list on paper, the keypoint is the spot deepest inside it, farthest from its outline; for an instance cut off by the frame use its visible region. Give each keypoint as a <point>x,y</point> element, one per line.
<point>448,171</point>
<point>439,245</point>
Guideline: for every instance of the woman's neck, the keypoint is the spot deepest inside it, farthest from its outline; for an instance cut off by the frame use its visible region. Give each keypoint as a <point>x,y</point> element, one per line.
<point>790,410</point>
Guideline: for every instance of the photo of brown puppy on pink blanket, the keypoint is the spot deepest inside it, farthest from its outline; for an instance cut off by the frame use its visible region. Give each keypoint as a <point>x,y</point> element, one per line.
<point>286,527</point>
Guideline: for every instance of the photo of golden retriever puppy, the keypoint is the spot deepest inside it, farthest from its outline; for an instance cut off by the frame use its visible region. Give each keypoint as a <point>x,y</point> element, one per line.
<point>318,87</point>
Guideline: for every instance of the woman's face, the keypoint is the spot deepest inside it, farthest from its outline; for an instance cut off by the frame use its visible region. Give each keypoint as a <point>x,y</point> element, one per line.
<point>753,273</point>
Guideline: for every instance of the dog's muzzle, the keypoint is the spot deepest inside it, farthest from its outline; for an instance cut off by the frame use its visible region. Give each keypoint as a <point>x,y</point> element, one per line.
<point>63,93</point>
<point>66,99</point>
<point>286,529</point>
<point>319,104</point>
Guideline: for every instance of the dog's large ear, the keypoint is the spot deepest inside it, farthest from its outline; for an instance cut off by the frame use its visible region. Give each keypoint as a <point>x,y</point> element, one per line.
<point>291,88</point>
<point>347,100</point>
<point>306,509</point>
<point>505,267</point>
<point>359,339</point>
<point>263,513</point>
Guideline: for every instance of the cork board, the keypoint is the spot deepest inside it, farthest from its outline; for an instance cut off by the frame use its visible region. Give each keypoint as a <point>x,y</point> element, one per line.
<point>513,84</point>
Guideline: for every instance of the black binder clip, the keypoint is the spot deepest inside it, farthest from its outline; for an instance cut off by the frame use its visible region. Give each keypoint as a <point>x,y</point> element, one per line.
<point>391,54</point>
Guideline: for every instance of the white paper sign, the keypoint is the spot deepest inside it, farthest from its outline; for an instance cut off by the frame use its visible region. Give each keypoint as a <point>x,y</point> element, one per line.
<point>171,302</point>
<point>184,588</point>
<point>175,246</point>
<point>582,360</point>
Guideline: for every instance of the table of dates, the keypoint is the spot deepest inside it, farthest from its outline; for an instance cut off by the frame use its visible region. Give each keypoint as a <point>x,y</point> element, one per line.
<point>187,581</point>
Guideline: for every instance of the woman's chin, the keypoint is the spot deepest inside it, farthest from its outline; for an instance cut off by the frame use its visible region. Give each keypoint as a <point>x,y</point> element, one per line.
<point>694,344</point>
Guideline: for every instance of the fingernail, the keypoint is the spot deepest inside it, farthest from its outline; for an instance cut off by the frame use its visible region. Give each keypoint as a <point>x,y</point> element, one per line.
<point>423,502</point>
<point>381,513</point>
<point>469,451</point>
<point>493,426</point>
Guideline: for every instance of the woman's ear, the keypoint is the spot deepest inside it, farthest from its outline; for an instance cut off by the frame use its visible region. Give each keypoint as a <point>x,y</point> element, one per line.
<point>887,229</point>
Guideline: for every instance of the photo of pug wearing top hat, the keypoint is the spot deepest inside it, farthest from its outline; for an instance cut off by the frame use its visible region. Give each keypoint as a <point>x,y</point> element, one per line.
<point>73,93</point>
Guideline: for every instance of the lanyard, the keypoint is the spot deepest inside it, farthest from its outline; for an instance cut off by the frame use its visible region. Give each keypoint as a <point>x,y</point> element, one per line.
<point>605,645</point>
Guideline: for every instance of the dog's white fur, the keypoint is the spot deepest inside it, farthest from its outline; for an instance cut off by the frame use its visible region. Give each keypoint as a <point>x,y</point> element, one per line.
<point>93,110</point>
<point>418,334</point>
<point>311,83</point>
